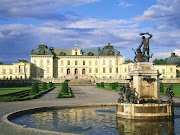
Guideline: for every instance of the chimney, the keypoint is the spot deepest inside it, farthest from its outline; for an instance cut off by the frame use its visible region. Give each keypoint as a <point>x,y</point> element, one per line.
<point>172,54</point>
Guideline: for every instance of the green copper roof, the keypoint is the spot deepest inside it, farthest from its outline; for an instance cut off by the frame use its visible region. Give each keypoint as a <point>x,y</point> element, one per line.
<point>38,51</point>
<point>86,51</point>
<point>105,52</point>
<point>66,51</point>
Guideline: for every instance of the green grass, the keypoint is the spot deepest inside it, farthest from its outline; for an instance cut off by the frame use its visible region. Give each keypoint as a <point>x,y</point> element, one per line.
<point>176,89</point>
<point>4,91</point>
<point>110,89</point>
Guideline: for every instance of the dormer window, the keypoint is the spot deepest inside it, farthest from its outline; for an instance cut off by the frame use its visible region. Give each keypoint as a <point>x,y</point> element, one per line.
<point>110,52</point>
<point>90,54</point>
<point>41,52</point>
<point>62,54</point>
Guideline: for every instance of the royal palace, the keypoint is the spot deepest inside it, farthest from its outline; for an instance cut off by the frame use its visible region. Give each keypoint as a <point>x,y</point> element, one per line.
<point>107,64</point>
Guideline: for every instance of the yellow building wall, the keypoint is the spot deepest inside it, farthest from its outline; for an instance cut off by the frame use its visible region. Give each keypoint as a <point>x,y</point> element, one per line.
<point>16,70</point>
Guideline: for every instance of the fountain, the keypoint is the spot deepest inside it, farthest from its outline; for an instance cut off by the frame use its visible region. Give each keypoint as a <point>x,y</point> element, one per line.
<point>143,95</point>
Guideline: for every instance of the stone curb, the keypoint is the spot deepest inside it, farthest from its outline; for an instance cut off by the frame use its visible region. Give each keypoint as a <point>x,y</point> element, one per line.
<point>6,118</point>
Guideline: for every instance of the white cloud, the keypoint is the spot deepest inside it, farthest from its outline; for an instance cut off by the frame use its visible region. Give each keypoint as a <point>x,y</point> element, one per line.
<point>124,4</point>
<point>39,9</point>
<point>177,52</point>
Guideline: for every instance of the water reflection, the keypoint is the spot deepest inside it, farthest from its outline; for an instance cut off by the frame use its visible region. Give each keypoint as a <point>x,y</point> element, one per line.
<point>88,120</point>
<point>144,127</point>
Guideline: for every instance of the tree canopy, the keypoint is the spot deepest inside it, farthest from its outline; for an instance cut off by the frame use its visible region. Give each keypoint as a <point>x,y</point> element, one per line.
<point>159,61</point>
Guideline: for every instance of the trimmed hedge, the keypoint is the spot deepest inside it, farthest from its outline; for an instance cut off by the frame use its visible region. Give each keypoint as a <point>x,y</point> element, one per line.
<point>44,86</point>
<point>113,85</point>
<point>35,88</point>
<point>65,91</point>
<point>161,88</point>
<point>102,84</point>
<point>98,84</point>
<point>50,84</point>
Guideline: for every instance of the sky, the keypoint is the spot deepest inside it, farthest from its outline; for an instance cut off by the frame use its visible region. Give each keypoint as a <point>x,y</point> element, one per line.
<point>92,23</point>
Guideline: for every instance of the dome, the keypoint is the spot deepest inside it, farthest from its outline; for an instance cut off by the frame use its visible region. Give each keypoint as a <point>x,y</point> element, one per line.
<point>173,60</point>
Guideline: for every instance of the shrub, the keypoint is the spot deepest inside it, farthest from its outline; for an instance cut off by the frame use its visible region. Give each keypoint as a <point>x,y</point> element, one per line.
<point>35,88</point>
<point>113,85</point>
<point>44,86</point>
<point>64,88</point>
<point>161,88</point>
<point>98,84</point>
<point>50,84</point>
<point>116,84</point>
<point>102,84</point>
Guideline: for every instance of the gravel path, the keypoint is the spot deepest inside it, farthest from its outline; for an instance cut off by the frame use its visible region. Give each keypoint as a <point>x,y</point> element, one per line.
<point>82,95</point>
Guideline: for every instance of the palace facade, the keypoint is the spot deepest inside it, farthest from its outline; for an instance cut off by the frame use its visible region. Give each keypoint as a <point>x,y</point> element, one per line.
<point>75,63</point>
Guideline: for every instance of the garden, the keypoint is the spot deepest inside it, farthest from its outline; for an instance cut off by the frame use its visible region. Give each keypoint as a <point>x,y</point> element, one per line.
<point>25,93</point>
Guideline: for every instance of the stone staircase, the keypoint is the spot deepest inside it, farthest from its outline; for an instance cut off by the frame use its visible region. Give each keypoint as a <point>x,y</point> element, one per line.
<point>80,82</point>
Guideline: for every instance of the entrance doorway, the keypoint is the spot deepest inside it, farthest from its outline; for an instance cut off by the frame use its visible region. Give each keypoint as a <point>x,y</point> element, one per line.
<point>68,71</point>
<point>84,71</point>
<point>76,71</point>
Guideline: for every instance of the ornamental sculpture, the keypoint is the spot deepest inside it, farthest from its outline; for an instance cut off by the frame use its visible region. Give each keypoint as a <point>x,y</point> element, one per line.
<point>143,56</point>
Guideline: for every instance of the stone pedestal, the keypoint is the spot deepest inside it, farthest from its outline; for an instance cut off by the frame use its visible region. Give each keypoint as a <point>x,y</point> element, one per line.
<point>147,92</point>
<point>144,111</point>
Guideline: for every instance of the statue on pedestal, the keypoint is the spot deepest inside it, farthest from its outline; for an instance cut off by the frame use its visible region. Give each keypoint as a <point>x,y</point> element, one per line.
<point>143,56</point>
<point>170,94</point>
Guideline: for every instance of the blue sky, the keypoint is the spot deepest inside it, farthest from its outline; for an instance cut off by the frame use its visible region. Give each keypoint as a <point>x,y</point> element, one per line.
<point>92,23</point>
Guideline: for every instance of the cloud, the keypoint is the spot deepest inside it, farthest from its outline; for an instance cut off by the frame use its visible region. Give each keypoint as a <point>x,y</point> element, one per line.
<point>37,9</point>
<point>124,4</point>
<point>165,12</point>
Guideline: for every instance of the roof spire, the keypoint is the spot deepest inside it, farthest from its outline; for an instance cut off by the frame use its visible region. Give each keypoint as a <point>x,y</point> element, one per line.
<point>75,47</point>
<point>42,42</point>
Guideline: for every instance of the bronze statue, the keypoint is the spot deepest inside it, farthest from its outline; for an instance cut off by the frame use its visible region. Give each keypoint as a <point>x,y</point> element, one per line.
<point>143,56</point>
<point>145,41</point>
<point>121,98</point>
<point>170,94</point>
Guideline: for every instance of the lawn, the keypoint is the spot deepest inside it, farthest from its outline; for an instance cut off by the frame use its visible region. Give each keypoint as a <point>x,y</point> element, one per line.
<point>110,89</point>
<point>176,89</point>
<point>4,91</point>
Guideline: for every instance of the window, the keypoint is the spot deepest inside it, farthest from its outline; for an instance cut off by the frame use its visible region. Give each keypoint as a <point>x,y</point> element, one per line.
<point>116,70</point>
<point>76,53</point>
<point>83,62</point>
<point>90,63</point>
<point>34,61</point>
<point>76,62</point>
<point>163,71</point>
<point>96,70</point>
<point>110,70</point>
<point>41,71</point>
<point>90,70</point>
<point>47,70</point>
<point>171,70</point>
<point>61,70</point>
<point>10,77</point>
<point>62,62</point>
<point>68,62</point>
<point>104,70</point>
<point>116,62</point>
<point>11,71</point>
<point>35,70</point>
<point>48,62</point>
<point>110,62</point>
<point>42,62</point>
<point>4,71</point>
<point>4,77</point>
<point>125,70</point>
<point>55,62</point>
<point>16,70</point>
<point>104,62</point>
<point>55,70</point>
<point>96,62</point>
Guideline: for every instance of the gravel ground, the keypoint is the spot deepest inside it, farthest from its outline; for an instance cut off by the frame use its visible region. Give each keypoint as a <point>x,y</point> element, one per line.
<point>82,95</point>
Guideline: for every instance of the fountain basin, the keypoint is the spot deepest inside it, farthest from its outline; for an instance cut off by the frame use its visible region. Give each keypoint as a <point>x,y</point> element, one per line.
<point>144,111</point>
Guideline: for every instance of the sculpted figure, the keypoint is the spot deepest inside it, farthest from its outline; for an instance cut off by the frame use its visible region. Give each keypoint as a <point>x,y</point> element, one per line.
<point>145,42</point>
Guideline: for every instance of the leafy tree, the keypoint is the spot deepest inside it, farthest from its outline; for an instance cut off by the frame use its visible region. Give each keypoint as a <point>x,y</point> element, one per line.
<point>35,88</point>
<point>1,63</point>
<point>128,61</point>
<point>102,84</point>
<point>161,88</point>
<point>44,85</point>
<point>159,61</point>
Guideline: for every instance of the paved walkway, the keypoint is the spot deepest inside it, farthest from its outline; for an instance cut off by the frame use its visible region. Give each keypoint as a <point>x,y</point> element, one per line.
<point>83,95</point>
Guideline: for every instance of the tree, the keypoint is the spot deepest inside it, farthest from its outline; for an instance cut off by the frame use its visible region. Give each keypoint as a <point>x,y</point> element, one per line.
<point>128,61</point>
<point>159,61</point>
<point>1,63</point>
